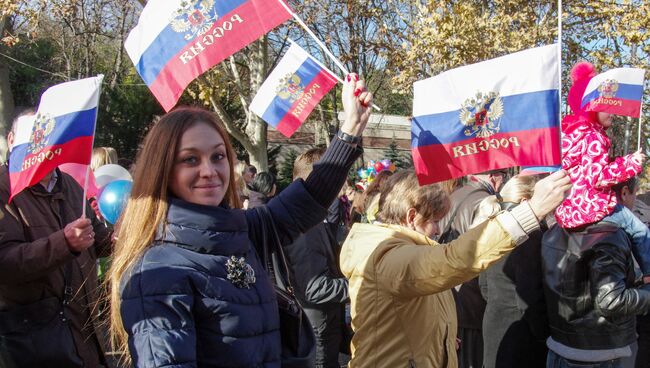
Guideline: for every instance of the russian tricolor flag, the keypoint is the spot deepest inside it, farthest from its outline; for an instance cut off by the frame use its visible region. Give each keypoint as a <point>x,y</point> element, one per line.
<point>617,91</point>
<point>293,89</point>
<point>62,131</point>
<point>175,41</point>
<point>495,114</point>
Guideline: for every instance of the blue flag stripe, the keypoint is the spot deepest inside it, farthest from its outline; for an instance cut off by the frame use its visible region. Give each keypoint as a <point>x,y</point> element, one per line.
<point>533,110</point>
<point>625,92</point>
<point>279,107</point>
<point>68,127</point>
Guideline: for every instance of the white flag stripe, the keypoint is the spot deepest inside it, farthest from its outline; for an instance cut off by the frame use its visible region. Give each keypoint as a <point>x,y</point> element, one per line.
<point>526,71</point>
<point>290,62</point>
<point>621,75</point>
<point>24,126</point>
<point>65,98</point>
<point>307,55</point>
<point>149,27</point>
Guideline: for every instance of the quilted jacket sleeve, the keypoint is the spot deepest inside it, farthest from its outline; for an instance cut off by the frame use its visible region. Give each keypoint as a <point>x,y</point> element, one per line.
<point>311,265</point>
<point>157,315</point>
<point>304,203</point>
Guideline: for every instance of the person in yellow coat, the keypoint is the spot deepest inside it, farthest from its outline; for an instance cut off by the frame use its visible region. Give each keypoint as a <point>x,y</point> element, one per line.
<point>400,280</point>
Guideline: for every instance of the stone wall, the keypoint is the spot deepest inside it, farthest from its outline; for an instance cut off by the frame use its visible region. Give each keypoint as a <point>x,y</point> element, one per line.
<point>381,130</point>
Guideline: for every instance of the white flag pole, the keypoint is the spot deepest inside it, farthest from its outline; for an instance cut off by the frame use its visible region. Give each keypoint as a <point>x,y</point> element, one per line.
<point>638,144</point>
<point>322,45</point>
<point>83,208</point>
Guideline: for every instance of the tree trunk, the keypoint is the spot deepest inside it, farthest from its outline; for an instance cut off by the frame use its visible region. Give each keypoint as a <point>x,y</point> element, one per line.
<point>6,99</point>
<point>255,127</point>
<point>628,134</point>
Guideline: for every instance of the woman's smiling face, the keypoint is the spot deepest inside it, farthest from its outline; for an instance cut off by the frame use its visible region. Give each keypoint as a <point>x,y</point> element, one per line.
<point>201,172</point>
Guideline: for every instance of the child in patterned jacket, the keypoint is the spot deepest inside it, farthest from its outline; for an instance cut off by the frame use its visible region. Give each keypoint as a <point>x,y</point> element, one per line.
<point>585,157</point>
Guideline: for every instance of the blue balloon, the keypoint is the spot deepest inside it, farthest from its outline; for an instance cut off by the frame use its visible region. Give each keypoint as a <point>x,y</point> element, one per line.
<point>113,199</point>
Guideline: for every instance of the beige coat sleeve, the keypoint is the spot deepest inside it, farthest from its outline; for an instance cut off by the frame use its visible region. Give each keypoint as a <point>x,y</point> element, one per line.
<point>411,270</point>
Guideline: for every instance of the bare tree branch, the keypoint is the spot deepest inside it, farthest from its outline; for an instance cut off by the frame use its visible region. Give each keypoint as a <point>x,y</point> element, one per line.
<point>234,72</point>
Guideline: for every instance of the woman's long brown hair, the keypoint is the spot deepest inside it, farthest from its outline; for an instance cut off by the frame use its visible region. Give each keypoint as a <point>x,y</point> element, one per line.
<point>147,207</point>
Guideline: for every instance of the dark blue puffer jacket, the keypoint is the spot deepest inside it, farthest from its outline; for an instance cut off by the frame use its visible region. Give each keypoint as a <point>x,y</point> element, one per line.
<point>178,306</point>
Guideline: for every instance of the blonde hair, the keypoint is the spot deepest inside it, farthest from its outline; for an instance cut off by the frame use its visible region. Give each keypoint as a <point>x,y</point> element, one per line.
<point>103,156</point>
<point>240,184</point>
<point>402,191</point>
<point>518,188</point>
<point>146,209</point>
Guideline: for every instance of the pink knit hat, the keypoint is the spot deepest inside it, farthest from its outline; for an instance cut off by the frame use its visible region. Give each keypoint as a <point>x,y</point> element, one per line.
<point>581,74</point>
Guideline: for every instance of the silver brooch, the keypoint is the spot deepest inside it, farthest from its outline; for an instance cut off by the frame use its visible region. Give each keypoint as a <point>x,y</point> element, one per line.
<point>240,273</point>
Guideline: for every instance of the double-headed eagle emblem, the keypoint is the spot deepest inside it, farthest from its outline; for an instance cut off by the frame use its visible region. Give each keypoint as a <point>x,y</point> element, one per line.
<point>608,88</point>
<point>43,126</point>
<point>195,17</point>
<point>481,114</point>
<point>290,88</point>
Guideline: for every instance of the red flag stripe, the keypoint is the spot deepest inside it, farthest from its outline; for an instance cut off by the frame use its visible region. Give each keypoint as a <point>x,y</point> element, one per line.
<point>439,162</point>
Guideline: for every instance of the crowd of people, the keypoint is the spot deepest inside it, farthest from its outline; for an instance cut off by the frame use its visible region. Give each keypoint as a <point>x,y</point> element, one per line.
<point>495,270</point>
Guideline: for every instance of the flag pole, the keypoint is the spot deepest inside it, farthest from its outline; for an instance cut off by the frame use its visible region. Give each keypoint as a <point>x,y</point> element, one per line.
<point>638,144</point>
<point>85,201</point>
<point>322,45</point>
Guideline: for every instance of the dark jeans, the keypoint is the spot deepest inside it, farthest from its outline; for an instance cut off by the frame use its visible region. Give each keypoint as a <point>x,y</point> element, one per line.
<point>470,354</point>
<point>643,353</point>
<point>555,361</point>
<point>327,324</point>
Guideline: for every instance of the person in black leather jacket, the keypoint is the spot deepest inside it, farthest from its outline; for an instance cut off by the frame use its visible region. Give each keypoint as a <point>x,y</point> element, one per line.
<point>592,301</point>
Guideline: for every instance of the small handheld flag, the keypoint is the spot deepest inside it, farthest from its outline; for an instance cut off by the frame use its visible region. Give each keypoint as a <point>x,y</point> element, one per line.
<point>495,114</point>
<point>62,131</point>
<point>175,41</point>
<point>617,91</point>
<point>292,90</point>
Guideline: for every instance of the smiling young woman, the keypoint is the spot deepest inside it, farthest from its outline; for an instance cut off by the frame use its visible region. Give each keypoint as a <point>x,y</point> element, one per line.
<point>187,286</point>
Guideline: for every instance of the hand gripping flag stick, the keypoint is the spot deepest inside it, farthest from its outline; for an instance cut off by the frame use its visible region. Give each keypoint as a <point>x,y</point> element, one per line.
<point>322,46</point>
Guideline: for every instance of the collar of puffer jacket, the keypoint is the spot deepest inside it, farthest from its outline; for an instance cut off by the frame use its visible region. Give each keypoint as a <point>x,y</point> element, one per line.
<point>205,229</point>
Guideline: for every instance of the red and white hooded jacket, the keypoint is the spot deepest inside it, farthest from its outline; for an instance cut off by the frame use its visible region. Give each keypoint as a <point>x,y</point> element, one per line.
<point>585,157</point>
